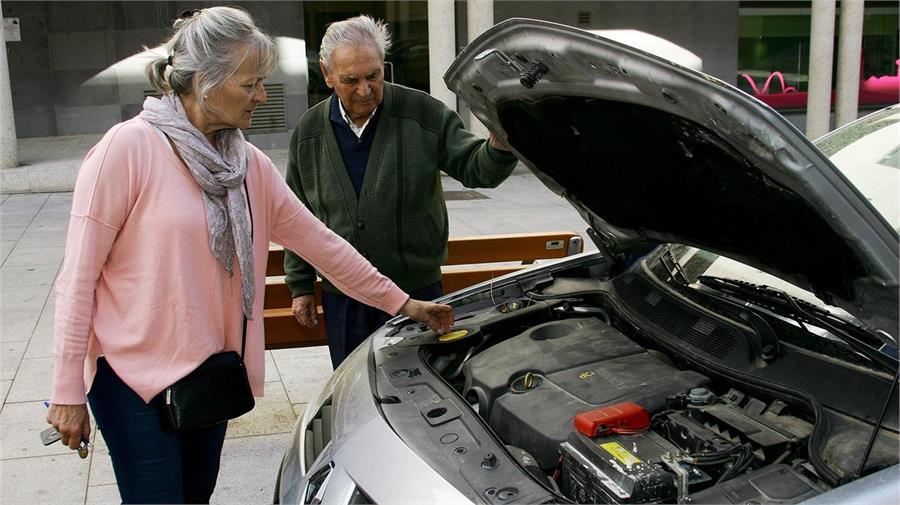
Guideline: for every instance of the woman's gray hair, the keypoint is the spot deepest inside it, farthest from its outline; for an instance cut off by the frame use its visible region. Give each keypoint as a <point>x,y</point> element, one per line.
<point>208,46</point>
<point>357,31</point>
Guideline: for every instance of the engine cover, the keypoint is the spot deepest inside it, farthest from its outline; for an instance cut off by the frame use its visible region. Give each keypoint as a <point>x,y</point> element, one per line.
<point>574,366</point>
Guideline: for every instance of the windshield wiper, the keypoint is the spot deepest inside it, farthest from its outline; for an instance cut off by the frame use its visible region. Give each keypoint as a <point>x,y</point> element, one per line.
<point>803,312</point>
<point>763,340</point>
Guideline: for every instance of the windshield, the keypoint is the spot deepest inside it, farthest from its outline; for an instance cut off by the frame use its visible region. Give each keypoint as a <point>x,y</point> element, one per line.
<point>695,263</point>
<point>868,153</point>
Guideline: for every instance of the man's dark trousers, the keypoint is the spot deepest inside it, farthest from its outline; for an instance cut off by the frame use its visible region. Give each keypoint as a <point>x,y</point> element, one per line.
<point>348,322</point>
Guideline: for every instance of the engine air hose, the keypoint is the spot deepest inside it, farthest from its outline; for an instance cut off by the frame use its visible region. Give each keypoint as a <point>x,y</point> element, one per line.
<point>740,464</point>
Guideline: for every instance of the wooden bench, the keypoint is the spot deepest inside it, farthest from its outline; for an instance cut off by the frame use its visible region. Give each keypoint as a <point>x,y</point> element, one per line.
<point>482,253</point>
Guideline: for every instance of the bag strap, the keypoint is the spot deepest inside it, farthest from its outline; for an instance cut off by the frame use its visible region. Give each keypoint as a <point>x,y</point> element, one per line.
<point>244,339</point>
<point>250,211</point>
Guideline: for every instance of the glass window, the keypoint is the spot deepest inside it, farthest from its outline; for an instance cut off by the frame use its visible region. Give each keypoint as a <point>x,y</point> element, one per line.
<point>773,53</point>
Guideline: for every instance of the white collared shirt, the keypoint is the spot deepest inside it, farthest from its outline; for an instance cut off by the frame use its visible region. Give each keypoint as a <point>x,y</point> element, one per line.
<point>358,130</point>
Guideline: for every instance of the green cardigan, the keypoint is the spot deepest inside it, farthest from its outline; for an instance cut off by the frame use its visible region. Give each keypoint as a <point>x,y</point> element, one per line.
<point>399,220</point>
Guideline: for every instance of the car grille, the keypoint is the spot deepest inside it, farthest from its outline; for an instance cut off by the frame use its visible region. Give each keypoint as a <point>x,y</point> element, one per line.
<point>703,333</point>
<point>318,434</point>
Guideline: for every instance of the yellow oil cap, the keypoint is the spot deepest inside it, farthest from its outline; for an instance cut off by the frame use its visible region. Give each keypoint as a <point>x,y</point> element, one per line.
<point>453,336</point>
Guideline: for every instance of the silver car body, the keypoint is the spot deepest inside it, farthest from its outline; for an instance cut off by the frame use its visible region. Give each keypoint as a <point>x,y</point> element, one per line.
<point>363,448</point>
<point>367,461</point>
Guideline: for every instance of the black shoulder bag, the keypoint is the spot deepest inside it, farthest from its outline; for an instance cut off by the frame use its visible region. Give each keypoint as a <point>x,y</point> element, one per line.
<point>217,390</point>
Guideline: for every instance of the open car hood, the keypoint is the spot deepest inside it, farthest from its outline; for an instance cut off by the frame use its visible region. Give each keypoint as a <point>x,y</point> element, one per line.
<point>650,152</point>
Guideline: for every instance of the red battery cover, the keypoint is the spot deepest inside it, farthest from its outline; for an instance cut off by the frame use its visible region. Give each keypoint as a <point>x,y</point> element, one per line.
<point>624,418</point>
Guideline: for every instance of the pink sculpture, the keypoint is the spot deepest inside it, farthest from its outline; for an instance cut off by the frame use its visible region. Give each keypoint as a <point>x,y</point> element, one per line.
<point>874,90</point>
<point>779,75</point>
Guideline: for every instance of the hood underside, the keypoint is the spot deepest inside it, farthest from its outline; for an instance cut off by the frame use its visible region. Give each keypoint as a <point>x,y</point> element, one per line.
<point>649,151</point>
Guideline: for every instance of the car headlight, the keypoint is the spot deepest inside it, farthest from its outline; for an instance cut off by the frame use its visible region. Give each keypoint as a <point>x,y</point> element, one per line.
<point>315,486</point>
<point>330,484</point>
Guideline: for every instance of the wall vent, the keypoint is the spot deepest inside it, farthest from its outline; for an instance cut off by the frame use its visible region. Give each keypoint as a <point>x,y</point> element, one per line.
<point>269,117</point>
<point>584,18</point>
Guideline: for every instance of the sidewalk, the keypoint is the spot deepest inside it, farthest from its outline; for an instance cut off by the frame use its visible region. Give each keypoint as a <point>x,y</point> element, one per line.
<point>32,241</point>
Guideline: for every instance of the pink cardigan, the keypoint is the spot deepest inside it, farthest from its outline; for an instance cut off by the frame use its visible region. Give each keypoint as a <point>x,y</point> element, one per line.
<point>140,286</point>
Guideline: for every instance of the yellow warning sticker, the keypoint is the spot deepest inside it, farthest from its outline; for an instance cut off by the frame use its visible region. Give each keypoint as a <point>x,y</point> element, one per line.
<point>621,453</point>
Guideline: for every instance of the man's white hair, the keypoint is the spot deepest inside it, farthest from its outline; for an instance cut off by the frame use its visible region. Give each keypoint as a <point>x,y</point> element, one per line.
<point>359,31</point>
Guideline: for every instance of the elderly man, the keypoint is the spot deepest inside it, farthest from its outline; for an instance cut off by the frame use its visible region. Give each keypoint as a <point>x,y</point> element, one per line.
<point>367,161</point>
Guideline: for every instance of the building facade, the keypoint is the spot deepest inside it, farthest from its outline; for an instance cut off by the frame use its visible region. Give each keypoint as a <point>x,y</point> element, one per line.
<point>77,67</point>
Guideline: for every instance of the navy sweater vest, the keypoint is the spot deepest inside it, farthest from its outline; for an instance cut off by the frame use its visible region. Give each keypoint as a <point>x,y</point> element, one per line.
<point>354,150</point>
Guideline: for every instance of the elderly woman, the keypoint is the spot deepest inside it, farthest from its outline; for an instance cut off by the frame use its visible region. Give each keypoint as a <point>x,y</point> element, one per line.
<point>165,259</point>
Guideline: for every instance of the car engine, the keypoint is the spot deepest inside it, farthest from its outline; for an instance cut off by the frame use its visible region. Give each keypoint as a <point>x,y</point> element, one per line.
<point>603,420</point>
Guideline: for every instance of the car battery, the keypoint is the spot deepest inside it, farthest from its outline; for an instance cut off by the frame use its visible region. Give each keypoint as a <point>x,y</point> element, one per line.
<point>616,469</point>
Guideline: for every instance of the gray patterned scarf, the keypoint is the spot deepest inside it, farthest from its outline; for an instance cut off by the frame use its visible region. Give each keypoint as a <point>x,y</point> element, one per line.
<point>221,174</point>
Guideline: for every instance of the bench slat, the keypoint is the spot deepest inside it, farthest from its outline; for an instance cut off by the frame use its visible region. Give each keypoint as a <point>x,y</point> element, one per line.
<point>275,264</point>
<point>526,248</point>
<point>459,279</point>
<point>278,295</point>
<point>283,330</point>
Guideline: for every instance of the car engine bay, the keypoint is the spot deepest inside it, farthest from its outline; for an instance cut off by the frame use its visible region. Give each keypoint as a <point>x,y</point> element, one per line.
<point>685,440</point>
<point>595,412</point>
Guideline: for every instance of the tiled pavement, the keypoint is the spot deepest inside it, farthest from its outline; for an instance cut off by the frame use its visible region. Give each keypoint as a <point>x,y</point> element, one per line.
<point>32,241</point>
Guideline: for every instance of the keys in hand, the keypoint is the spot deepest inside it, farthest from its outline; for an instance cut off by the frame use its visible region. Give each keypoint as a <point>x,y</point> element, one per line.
<point>50,435</point>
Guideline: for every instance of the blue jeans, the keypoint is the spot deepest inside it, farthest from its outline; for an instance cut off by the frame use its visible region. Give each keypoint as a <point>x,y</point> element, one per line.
<point>153,463</point>
<point>349,322</point>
